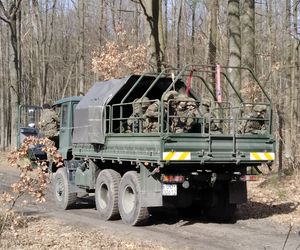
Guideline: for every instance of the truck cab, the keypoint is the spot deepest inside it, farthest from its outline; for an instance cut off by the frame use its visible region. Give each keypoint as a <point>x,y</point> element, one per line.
<point>29,125</point>
<point>65,107</point>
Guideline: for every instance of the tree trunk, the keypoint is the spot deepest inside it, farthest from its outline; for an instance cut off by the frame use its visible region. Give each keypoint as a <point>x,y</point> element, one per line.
<point>10,18</point>
<point>213,36</point>
<point>178,35</point>
<point>280,138</point>
<point>288,89</point>
<point>82,47</point>
<point>234,47</point>
<point>294,86</point>
<point>153,12</point>
<point>194,5</point>
<point>166,22</point>
<point>248,40</point>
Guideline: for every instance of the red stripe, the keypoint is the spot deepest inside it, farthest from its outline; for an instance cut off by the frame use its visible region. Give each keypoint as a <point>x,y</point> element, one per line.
<point>189,83</point>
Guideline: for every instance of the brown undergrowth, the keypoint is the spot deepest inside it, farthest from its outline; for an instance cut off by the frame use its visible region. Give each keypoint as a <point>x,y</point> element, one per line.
<point>272,198</point>
<point>31,182</point>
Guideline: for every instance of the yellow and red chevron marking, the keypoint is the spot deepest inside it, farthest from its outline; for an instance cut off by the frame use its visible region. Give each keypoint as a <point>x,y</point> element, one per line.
<point>265,156</point>
<point>176,156</point>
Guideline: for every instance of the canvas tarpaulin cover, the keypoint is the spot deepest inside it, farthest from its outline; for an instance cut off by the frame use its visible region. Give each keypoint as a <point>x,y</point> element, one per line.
<point>90,114</point>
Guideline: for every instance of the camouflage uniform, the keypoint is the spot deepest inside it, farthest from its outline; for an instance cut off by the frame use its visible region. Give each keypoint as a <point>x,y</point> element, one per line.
<point>150,122</point>
<point>169,105</point>
<point>49,123</point>
<point>192,112</point>
<point>179,123</point>
<point>254,122</point>
<point>139,107</point>
<point>170,95</point>
<point>205,112</point>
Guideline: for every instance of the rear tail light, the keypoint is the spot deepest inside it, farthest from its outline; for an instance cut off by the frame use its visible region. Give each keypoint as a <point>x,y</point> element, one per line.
<point>249,178</point>
<point>173,179</point>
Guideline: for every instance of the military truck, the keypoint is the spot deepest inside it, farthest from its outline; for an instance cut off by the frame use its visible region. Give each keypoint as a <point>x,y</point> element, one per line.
<point>130,170</point>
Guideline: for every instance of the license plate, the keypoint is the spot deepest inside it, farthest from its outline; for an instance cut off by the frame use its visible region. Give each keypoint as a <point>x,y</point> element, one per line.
<point>169,190</point>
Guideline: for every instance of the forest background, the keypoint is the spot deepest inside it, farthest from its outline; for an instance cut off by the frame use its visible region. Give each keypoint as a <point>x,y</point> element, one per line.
<point>51,49</point>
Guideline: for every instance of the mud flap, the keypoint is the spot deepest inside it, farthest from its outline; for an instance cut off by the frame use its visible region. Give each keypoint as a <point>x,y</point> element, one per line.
<point>151,189</point>
<point>237,192</point>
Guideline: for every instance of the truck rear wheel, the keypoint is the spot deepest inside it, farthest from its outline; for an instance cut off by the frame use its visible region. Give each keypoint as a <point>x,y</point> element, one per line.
<point>130,197</point>
<point>106,194</point>
<point>64,199</point>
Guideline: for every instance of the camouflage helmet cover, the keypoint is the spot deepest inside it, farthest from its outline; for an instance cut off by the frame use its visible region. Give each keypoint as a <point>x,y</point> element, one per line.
<point>191,102</point>
<point>182,96</point>
<point>260,108</point>
<point>144,101</point>
<point>206,102</point>
<point>170,95</point>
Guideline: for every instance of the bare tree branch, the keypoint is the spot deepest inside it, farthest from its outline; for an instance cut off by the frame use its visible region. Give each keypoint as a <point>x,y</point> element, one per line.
<point>3,10</point>
<point>16,8</point>
<point>4,19</point>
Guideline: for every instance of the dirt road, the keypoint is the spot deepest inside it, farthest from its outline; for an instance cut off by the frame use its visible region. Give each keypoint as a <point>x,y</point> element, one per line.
<point>168,229</point>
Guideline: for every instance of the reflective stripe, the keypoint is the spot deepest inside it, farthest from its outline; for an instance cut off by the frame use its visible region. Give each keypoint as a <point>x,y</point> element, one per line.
<point>269,156</point>
<point>183,156</point>
<point>176,156</point>
<point>266,156</point>
<point>256,156</point>
<point>168,156</point>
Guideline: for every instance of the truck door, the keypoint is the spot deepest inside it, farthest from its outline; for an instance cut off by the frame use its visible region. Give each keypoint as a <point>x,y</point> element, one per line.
<point>66,127</point>
<point>64,135</point>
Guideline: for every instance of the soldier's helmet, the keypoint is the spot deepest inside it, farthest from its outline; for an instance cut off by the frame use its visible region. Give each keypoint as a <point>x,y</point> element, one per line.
<point>136,105</point>
<point>206,102</point>
<point>46,106</point>
<point>182,97</point>
<point>172,94</point>
<point>144,101</point>
<point>181,106</point>
<point>260,108</point>
<point>191,102</point>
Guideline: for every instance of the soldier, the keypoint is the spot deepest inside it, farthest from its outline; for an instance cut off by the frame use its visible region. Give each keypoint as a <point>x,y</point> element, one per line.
<point>139,107</point>
<point>150,122</point>
<point>170,95</point>
<point>179,123</point>
<point>192,112</point>
<point>49,122</point>
<point>254,122</point>
<point>205,112</point>
<point>132,124</point>
<point>169,105</point>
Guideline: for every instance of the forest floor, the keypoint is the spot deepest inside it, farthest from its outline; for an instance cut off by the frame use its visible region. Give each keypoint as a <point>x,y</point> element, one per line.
<point>263,223</point>
<point>282,197</point>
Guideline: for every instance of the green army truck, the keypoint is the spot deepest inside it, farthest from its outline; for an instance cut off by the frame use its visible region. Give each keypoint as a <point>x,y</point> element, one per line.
<point>130,168</point>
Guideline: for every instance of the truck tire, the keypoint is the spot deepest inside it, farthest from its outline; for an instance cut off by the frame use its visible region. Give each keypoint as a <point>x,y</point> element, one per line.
<point>130,197</point>
<point>106,194</point>
<point>64,199</point>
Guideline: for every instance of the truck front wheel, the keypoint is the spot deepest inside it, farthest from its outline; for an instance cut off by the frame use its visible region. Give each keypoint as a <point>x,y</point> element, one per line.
<point>106,194</point>
<point>63,196</point>
<point>130,194</point>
